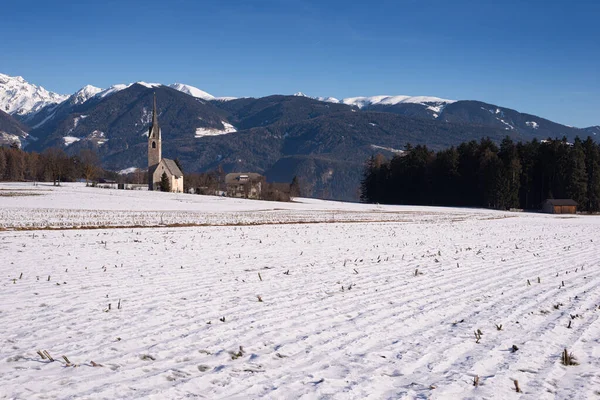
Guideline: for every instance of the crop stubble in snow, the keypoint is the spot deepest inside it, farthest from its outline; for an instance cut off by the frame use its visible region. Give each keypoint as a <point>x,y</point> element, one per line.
<point>386,334</point>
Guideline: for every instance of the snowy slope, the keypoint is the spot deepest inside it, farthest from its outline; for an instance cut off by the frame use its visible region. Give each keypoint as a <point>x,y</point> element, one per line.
<point>84,94</point>
<point>199,94</point>
<point>192,91</point>
<point>362,102</point>
<point>330,310</point>
<point>17,96</point>
<point>112,90</point>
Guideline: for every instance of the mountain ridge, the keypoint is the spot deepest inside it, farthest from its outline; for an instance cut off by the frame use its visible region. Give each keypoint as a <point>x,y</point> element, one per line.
<point>324,143</point>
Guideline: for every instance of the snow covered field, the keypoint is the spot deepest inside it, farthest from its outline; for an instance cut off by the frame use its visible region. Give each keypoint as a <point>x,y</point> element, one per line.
<point>26,206</point>
<point>384,307</point>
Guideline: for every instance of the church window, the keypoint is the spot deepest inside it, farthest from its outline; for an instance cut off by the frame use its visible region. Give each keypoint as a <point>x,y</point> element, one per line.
<point>153,145</point>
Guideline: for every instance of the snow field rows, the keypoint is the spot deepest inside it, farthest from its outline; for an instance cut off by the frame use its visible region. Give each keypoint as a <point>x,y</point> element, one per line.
<point>343,314</point>
<point>16,218</point>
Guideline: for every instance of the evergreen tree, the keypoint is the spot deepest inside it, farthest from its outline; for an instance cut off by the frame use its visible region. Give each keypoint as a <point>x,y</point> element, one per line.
<point>577,179</point>
<point>592,167</point>
<point>510,180</point>
<point>445,178</point>
<point>295,187</point>
<point>2,164</point>
<point>373,184</point>
<point>165,185</point>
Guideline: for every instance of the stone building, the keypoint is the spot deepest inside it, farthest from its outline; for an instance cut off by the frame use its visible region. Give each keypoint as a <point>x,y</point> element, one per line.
<point>158,165</point>
<point>246,185</point>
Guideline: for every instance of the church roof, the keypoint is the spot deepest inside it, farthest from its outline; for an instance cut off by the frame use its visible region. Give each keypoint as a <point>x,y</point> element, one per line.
<point>170,166</point>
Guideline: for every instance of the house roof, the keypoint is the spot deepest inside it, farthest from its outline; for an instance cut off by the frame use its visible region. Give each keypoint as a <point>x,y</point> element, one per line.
<point>234,177</point>
<point>170,166</point>
<point>561,202</point>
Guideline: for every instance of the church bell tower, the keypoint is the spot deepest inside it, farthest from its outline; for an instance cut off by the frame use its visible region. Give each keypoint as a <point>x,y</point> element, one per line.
<point>154,139</point>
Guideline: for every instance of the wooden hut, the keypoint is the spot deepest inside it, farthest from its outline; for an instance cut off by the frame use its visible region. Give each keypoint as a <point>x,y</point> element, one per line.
<point>559,206</point>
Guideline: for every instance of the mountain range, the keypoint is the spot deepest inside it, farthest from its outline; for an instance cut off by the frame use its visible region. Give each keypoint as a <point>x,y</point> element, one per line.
<point>323,141</point>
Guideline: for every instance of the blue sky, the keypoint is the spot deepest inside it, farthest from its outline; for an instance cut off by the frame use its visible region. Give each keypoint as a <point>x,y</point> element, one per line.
<point>540,57</point>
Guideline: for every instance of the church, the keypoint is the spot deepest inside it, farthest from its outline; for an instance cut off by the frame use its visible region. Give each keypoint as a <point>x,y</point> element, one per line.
<point>158,165</point>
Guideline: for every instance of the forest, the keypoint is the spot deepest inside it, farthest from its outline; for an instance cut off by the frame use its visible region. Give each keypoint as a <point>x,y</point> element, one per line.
<point>52,165</point>
<point>483,174</point>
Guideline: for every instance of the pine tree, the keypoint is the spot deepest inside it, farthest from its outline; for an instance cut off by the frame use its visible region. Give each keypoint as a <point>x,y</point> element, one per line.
<point>577,179</point>
<point>165,185</point>
<point>374,181</point>
<point>295,187</point>
<point>592,166</point>
<point>510,181</point>
<point>2,164</point>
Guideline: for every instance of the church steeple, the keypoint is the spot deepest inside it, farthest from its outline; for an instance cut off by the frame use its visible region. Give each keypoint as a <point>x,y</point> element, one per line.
<point>154,113</point>
<point>154,139</point>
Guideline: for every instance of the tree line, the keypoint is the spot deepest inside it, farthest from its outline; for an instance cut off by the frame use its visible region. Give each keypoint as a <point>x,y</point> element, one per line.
<point>52,165</point>
<point>483,174</point>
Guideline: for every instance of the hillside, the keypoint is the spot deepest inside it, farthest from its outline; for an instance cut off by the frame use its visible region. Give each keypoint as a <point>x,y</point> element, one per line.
<point>323,141</point>
<point>11,130</point>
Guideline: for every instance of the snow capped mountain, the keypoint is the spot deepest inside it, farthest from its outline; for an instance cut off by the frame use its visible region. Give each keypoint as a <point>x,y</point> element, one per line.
<point>435,105</point>
<point>17,96</point>
<point>328,99</point>
<point>362,102</point>
<point>192,91</point>
<point>111,90</point>
<point>84,94</point>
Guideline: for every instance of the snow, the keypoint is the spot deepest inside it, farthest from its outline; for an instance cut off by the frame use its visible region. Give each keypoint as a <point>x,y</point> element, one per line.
<point>17,96</point>
<point>129,170</point>
<point>392,150</point>
<point>7,139</point>
<point>69,140</point>
<point>202,132</point>
<point>343,314</point>
<point>200,94</point>
<point>435,102</point>
<point>532,124</point>
<point>509,126</point>
<point>112,90</point>
<point>149,85</point>
<point>328,99</point>
<point>98,137</point>
<point>76,122</point>
<point>226,98</point>
<point>84,94</point>
<point>192,91</point>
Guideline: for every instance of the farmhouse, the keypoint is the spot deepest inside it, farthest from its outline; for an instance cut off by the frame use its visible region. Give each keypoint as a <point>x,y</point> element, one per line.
<point>247,185</point>
<point>559,206</point>
<point>157,166</point>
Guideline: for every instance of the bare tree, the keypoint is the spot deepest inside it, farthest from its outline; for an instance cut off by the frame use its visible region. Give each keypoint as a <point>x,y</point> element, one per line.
<point>90,163</point>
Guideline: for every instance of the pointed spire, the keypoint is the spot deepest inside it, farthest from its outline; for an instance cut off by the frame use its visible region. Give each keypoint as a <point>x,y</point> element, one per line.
<point>154,113</point>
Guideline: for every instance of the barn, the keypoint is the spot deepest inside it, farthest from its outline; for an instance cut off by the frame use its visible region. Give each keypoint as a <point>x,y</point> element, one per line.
<point>559,206</point>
